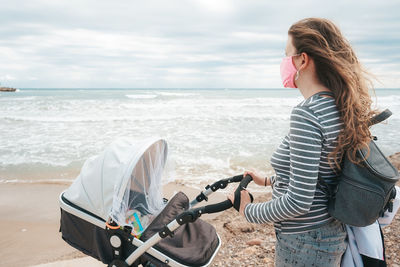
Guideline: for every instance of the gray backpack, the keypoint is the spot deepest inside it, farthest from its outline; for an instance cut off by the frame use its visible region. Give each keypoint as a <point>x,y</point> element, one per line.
<point>364,191</point>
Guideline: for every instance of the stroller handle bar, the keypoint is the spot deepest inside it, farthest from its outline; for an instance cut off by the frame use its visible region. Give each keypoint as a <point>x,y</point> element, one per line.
<point>191,215</point>
<point>221,184</point>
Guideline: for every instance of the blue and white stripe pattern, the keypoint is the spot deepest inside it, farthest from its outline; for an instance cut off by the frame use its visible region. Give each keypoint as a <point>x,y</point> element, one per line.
<point>297,204</point>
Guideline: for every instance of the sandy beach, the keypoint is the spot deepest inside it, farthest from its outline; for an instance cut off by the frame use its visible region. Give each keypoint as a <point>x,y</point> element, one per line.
<point>29,233</point>
<point>29,223</point>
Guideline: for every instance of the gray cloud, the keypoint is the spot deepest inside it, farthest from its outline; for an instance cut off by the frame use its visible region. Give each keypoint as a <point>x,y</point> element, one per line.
<point>201,43</point>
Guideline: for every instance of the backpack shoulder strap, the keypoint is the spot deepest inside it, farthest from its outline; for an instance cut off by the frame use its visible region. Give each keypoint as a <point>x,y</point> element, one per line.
<point>380,117</point>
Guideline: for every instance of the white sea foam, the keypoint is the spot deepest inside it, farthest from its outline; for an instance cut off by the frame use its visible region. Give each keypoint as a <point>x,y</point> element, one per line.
<point>39,181</point>
<point>390,100</point>
<point>20,99</point>
<point>63,119</point>
<point>177,94</point>
<point>141,96</point>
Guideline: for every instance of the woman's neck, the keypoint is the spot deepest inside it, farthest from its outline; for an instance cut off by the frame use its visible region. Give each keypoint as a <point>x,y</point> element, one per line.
<point>310,86</point>
<point>309,91</point>
<point>308,82</point>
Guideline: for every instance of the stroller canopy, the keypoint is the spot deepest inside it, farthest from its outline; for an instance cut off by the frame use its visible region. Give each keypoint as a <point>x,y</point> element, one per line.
<point>125,176</point>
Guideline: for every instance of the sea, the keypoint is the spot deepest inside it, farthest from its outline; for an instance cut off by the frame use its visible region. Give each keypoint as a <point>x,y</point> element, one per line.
<point>47,134</point>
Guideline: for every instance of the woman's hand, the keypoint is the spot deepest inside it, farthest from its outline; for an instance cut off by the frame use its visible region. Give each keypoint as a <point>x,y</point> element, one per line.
<point>259,180</point>
<point>244,200</point>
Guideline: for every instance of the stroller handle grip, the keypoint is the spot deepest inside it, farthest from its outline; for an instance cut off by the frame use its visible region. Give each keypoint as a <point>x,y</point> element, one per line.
<point>218,207</point>
<point>221,184</point>
<point>245,182</point>
<point>193,214</point>
<point>227,204</point>
<point>242,186</point>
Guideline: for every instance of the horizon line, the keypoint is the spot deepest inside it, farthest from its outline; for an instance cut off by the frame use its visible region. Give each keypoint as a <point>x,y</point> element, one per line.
<point>182,88</point>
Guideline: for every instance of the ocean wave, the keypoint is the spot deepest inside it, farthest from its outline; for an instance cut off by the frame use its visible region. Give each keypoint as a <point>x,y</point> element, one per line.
<point>389,99</point>
<point>63,119</point>
<point>177,94</point>
<point>25,98</point>
<point>41,181</point>
<point>141,96</point>
<point>167,117</point>
<point>39,163</point>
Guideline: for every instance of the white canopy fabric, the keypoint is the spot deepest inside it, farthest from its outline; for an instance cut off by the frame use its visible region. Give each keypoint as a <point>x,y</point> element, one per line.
<point>125,176</point>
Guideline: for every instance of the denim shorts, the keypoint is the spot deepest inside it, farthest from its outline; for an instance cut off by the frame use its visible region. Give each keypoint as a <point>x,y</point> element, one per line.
<point>323,246</point>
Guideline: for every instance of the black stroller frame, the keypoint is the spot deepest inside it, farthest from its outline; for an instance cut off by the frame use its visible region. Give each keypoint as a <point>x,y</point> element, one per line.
<point>112,238</point>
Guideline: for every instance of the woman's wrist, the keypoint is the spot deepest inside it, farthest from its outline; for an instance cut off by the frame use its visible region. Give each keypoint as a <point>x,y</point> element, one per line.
<point>267,181</point>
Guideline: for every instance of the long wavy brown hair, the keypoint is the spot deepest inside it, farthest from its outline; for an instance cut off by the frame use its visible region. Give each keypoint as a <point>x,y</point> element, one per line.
<point>338,69</point>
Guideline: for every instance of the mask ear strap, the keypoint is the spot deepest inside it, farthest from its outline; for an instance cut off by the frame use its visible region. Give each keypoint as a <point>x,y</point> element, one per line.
<point>303,62</point>
<point>298,71</point>
<point>297,75</point>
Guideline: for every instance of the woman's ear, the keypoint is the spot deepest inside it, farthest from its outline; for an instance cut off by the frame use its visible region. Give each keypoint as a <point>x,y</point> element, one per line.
<point>304,61</point>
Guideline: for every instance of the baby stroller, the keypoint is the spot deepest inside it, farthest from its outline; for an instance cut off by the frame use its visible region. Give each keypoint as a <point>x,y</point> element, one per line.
<point>114,210</point>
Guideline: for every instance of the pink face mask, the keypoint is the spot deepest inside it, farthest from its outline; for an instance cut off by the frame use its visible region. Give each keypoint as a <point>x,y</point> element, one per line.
<point>288,72</point>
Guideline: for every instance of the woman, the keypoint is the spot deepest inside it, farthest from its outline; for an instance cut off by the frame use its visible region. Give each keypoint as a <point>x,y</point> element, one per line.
<point>332,119</point>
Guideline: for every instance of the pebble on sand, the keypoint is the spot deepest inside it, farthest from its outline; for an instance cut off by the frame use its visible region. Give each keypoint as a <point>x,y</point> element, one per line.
<point>254,242</point>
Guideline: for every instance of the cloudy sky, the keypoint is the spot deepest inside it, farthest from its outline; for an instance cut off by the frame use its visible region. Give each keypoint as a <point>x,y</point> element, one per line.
<point>179,44</point>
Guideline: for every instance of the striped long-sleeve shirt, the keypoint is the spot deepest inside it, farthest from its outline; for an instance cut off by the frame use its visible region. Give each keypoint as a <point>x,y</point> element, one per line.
<point>297,204</point>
